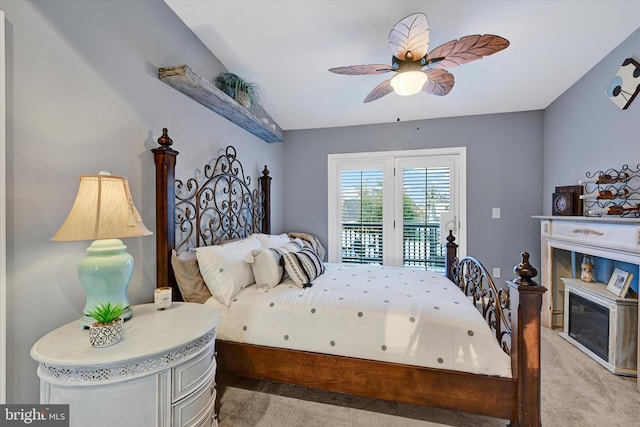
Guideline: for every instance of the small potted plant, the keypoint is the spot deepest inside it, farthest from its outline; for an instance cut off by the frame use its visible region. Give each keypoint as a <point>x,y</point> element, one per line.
<point>108,326</point>
<point>243,92</point>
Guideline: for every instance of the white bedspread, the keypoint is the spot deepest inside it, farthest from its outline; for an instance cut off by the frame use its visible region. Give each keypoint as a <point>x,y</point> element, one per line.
<point>389,314</point>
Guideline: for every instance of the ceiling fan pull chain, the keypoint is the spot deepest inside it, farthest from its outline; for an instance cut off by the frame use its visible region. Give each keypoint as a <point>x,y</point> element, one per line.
<point>417,112</point>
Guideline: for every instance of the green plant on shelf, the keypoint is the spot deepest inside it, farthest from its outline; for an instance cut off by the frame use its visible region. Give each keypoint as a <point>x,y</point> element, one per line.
<point>245,93</point>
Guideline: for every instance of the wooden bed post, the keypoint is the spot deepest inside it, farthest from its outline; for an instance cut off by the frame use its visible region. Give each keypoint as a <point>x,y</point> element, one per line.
<point>265,187</point>
<point>452,249</point>
<point>526,302</point>
<point>165,160</point>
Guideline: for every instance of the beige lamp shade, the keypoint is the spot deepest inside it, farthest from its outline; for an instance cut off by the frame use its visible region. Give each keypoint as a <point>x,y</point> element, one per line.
<point>103,209</point>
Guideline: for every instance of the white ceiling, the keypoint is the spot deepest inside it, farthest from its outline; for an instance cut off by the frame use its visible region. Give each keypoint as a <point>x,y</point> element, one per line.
<point>287,47</point>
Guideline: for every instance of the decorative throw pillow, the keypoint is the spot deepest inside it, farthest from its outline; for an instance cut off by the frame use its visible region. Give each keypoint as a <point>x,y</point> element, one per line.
<point>188,277</point>
<point>311,241</point>
<point>223,267</point>
<point>272,240</point>
<point>266,264</point>
<point>303,266</point>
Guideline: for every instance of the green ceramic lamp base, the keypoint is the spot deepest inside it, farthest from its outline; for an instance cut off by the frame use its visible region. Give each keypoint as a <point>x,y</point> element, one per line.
<point>105,274</point>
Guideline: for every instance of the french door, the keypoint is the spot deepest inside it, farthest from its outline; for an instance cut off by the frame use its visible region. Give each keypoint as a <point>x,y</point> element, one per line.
<point>425,194</point>
<point>396,208</point>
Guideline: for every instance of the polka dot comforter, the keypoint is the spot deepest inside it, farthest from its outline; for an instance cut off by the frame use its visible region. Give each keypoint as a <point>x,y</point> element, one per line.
<point>413,317</point>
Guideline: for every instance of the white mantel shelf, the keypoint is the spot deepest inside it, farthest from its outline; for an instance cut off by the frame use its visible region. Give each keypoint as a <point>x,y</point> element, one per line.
<point>601,219</point>
<point>605,234</point>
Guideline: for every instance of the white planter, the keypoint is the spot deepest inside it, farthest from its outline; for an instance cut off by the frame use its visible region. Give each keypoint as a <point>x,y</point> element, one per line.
<point>105,335</point>
<point>243,99</point>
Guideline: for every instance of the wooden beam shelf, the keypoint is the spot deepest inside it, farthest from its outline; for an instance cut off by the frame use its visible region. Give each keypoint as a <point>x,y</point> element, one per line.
<point>182,78</point>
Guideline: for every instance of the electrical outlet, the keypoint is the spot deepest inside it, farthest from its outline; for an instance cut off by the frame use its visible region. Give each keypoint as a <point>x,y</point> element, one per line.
<point>496,273</point>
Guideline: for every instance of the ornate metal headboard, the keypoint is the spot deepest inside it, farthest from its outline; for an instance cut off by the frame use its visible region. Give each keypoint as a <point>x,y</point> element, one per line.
<point>215,205</point>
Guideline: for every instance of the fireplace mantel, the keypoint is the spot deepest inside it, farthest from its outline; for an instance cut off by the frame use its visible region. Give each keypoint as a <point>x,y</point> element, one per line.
<point>597,219</point>
<point>618,234</point>
<point>612,238</point>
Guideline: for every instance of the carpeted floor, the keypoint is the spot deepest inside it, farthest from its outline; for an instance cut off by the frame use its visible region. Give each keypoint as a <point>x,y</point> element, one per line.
<point>576,391</point>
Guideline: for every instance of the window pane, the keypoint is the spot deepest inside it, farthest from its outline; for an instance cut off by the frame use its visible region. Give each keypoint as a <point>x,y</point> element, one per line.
<point>425,194</point>
<point>361,216</point>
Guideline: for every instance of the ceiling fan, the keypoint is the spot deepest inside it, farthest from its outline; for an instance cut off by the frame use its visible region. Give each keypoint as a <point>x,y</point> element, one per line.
<point>416,70</point>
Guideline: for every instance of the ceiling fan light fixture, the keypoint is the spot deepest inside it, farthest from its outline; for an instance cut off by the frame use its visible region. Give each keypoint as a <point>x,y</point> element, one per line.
<point>408,83</point>
<point>418,69</point>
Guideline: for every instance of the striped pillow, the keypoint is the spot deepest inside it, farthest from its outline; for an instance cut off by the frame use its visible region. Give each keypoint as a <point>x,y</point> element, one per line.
<point>303,266</point>
<point>266,264</point>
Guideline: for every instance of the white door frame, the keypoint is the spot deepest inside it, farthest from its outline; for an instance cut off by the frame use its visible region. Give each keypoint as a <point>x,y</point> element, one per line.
<point>3,222</point>
<point>334,161</point>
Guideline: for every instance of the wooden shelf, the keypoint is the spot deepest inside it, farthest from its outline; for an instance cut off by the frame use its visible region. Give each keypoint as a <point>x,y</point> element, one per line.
<point>182,78</point>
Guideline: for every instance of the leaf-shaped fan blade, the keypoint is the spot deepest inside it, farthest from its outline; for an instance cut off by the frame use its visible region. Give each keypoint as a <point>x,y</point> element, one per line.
<point>440,82</point>
<point>354,70</point>
<point>379,91</point>
<point>466,49</point>
<point>410,35</point>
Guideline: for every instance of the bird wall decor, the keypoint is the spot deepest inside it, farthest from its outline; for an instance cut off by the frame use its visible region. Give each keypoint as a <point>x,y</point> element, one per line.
<point>416,69</point>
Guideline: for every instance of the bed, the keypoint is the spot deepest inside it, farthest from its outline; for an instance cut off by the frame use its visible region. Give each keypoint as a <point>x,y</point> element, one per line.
<point>219,207</point>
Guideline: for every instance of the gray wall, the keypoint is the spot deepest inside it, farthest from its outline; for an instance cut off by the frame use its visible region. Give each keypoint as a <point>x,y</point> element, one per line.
<point>83,95</point>
<point>504,169</point>
<point>585,131</point>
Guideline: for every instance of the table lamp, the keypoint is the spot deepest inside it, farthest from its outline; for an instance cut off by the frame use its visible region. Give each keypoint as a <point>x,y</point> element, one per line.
<point>103,212</point>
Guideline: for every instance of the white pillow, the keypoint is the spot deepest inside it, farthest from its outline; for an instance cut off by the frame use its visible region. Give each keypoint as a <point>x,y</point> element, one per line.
<point>266,264</point>
<point>272,240</point>
<point>223,267</point>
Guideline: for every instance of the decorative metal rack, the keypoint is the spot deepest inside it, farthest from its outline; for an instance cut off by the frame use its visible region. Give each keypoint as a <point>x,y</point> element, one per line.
<point>612,192</point>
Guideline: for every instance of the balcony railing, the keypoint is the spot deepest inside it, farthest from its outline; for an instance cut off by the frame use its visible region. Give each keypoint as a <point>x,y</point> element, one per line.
<point>362,244</point>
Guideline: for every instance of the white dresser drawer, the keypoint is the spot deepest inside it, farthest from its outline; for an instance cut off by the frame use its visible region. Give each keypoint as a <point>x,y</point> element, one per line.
<point>191,374</point>
<point>210,419</point>
<point>196,409</point>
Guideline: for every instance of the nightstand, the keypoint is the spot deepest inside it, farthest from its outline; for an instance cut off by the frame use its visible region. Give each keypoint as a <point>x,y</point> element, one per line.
<point>161,374</point>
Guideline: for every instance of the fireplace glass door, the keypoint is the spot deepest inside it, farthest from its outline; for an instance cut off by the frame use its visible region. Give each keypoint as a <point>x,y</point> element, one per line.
<point>589,325</point>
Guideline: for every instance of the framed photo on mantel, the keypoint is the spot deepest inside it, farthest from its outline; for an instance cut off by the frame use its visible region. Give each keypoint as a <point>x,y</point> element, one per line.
<point>566,201</point>
<point>619,282</point>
